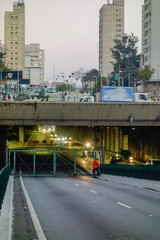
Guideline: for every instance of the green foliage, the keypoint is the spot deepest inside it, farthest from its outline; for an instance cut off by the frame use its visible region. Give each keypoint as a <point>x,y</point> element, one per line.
<point>90,76</point>
<point>64,88</point>
<point>146,73</point>
<point>41,95</point>
<point>92,81</point>
<point>126,56</point>
<point>2,64</point>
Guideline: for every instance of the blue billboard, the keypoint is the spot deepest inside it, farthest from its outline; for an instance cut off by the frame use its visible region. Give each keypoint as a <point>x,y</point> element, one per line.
<point>116,94</point>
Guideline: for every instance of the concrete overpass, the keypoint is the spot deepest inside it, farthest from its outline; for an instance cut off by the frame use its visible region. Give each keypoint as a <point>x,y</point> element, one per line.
<point>79,114</point>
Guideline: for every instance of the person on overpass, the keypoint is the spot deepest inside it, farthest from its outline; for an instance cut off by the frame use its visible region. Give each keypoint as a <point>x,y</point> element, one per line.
<point>96,167</point>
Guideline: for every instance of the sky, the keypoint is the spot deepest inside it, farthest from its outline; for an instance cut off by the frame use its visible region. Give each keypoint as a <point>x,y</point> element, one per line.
<point>68,30</point>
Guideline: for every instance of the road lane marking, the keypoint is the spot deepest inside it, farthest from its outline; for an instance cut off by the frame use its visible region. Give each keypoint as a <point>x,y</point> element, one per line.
<point>66,180</point>
<point>149,215</point>
<point>77,185</point>
<point>36,223</point>
<point>124,205</point>
<point>93,191</point>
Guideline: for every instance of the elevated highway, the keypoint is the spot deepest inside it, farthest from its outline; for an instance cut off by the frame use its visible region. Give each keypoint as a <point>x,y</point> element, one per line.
<point>79,114</point>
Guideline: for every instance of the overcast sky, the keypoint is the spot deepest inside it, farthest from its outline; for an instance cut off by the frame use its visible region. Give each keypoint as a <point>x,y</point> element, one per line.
<point>68,30</point>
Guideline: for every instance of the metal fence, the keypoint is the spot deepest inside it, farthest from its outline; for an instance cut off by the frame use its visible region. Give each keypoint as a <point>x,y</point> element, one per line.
<point>4,177</point>
<point>151,172</point>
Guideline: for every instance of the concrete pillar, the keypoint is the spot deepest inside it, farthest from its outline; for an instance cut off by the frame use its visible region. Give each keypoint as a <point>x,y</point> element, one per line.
<point>116,133</point>
<point>120,139</point>
<point>125,142</point>
<point>111,146</point>
<point>3,137</point>
<point>21,135</point>
<point>107,138</point>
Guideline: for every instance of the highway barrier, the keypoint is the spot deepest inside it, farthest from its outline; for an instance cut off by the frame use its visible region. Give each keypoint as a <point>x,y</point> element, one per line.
<point>151,172</point>
<point>4,177</point>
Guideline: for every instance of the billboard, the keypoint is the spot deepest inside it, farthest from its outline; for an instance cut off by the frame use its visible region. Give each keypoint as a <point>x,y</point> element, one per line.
<point>11,75</point>
<point>116,94</point>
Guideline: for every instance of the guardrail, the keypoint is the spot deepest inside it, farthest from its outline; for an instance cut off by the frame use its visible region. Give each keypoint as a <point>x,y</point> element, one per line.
<point>151,172</point>
<point>4,177</point>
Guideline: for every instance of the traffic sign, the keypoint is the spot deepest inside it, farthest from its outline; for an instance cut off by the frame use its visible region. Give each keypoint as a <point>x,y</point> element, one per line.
<point>117,76</point>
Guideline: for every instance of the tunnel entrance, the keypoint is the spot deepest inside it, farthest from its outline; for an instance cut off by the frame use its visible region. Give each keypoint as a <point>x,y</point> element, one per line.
<point>43,162</point>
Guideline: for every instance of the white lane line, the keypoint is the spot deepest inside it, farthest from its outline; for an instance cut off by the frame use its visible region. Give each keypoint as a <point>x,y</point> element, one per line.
<point>66,180</point>
<point>77,185</point>
<point>124,205</point>
<point>149,215</point>
<point>36,223</point>
<point>93,191</point>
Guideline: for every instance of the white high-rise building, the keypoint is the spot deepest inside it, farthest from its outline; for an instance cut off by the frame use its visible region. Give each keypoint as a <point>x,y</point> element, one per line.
<point>15,37</point>
<point>34,64</point>
<point>111,26</point>
<point>151,35</point>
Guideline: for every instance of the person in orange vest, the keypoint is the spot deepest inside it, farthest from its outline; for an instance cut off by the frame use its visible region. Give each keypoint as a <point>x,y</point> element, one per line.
<point>96,168</point>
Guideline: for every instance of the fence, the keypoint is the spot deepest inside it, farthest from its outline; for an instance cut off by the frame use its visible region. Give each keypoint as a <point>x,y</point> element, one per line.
<point>151,172</point>
<point>4,177</point>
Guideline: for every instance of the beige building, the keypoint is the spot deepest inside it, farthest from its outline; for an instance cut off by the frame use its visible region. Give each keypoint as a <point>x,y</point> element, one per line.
<point>15,37</point>
<point>111,26</point>
<point>34,63</point>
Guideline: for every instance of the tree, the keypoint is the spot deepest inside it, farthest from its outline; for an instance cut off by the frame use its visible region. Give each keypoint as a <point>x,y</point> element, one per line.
<point>126,57</point>
<point>146,73</point>
<point>90,79</point>
<point>2,64</point>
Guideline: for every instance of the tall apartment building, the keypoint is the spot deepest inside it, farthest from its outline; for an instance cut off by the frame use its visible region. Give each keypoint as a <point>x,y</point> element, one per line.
<point>34,63</point>
<point>151,35</point>
<point>111,26</point>
<point>15,37</point>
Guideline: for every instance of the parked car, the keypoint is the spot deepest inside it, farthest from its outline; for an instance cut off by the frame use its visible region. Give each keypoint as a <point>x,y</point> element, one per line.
<point>126,155</point>
<point>122,157</point>
<point>117,160</point>
<point>153,162</point>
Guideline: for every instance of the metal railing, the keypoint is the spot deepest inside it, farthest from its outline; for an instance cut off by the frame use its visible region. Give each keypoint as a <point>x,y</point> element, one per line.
<point>151,172</point>
<point>4,177</point>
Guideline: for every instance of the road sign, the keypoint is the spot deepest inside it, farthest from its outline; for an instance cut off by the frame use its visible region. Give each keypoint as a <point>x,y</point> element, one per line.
<point>117,76</point>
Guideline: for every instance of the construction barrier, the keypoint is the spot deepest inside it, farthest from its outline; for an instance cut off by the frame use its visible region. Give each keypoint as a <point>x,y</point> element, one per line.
<point>151,172</point>
<point>4,177</point>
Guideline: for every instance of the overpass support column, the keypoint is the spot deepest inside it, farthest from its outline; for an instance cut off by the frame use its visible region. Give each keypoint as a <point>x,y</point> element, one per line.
<point>125,142</point>
<point>120,139</point>
<point>116,139</point>
<point>3,137</point>
<point>21,135</point>
<point>107,138</point>
<point>111,145</point>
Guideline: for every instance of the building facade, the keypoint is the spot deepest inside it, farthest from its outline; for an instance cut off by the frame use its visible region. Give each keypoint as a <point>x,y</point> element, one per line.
<point>15,37</point>
<point>151,36</point>
<point>111,26</point>
<point>34,64</point>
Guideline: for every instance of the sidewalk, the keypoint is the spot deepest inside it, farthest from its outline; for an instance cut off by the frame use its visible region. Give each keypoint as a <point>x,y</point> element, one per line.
<point>6,212</point>
<point>135,182</point>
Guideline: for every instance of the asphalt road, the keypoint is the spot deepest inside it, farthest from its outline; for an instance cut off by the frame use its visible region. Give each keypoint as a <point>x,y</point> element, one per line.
<point>86,209</point>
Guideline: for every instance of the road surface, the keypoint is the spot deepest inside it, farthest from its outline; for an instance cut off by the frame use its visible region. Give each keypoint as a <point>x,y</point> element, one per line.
<point>84,208</point>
